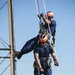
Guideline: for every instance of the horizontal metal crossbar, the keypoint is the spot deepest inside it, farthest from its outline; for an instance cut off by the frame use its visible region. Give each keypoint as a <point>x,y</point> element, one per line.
<point>5,49</point>
<point>4,57</point>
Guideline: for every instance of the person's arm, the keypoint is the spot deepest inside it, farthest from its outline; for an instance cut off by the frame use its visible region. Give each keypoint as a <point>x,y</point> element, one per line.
<point>45,19</point>
<point>36,56</point>
<point>55,59</point>
<point>53,41</point>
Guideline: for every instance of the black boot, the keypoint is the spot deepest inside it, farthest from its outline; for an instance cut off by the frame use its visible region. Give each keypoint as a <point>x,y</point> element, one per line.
<point>19,54</point>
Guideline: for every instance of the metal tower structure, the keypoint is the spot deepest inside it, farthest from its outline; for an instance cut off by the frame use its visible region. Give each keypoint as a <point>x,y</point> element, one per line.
<point>11,39</point>
<point>11,36</point>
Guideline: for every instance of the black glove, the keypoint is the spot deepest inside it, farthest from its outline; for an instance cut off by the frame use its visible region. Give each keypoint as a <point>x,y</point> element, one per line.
<point>41,14</point>
<point>56,63</point>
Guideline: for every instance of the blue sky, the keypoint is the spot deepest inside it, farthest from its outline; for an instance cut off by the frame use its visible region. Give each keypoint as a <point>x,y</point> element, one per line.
<point>26,26</point>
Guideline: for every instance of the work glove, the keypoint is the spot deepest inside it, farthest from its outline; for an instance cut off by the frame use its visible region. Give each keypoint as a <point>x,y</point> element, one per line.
<point>41,70</point>
<point>41,14</point>
<point>56,63</point>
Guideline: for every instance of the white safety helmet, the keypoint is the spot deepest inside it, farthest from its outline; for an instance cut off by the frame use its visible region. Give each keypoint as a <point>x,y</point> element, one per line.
<point>50,14</point>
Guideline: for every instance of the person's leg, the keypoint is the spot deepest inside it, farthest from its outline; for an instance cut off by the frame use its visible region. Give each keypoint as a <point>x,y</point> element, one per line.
<point>28,47</point>
<point>36,71</point>
<point>48,71</point>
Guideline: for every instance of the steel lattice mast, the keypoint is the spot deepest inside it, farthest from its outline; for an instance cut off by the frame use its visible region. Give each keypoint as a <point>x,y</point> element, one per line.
<point>11,36</point>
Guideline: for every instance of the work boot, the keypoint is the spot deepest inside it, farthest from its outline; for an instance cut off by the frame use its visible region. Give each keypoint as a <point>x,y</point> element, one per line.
<point>18,54</point>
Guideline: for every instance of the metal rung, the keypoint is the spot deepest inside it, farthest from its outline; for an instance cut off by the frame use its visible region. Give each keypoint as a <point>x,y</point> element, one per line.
<point>4,57</point>
<point>4,48</point>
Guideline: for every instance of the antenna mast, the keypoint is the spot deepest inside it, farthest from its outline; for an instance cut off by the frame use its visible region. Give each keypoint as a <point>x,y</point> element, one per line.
<point>11,36</point>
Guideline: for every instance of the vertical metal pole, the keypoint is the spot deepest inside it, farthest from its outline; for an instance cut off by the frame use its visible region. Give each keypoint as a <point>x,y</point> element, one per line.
<point>11,36</point>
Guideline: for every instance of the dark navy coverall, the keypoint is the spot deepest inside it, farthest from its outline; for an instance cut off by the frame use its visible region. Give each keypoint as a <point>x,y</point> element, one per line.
<point>43,52</point>
<point>32,43</point>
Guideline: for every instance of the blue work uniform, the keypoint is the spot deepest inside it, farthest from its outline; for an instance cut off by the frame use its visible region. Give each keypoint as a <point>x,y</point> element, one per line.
<point>43,52</point>
<point>52,29</point>
<point>32,43</point>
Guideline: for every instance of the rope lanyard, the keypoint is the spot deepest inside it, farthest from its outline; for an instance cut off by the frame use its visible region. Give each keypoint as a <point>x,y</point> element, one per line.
<point>59,64</point>
<point>47,17</point>
<point>37,8</point>
<point>38,13</point>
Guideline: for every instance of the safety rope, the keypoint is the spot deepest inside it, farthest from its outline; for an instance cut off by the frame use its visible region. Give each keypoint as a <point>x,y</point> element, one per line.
<point>38,14</point>
<point>47,18</point>
<point>57,59</point>
<point>46,12</point>
<point>44,6</point>
<point>37,8</point>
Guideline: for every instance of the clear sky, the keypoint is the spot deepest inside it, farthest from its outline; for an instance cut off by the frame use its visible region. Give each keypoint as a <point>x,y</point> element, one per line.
<point>26,26</point>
